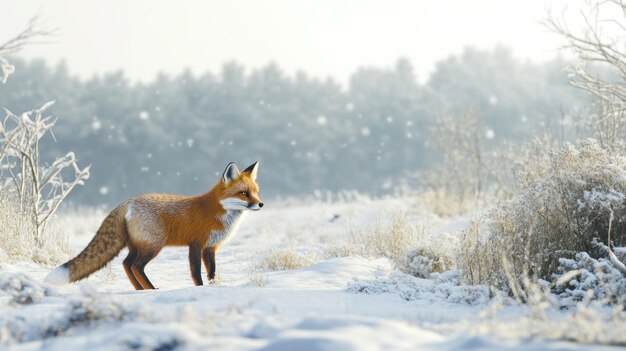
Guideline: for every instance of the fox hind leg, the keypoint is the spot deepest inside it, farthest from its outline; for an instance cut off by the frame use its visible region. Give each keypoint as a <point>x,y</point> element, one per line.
<point>128,263</point>
<point>138,267</point>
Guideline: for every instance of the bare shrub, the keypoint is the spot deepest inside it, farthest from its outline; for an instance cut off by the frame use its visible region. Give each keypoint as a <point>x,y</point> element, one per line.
<point>600,43</point>
<point>276,259</point>
<point>446,203</point>
<point>554,218</point>
<point>34,29</point>
<point>472,175</point>
<point>17,236</point>
<point>476,262</point>
<point>258,278</point>
<point>391,240</point>
<point>410,247</point>
<point>457,184</point>
<point>282,260</point>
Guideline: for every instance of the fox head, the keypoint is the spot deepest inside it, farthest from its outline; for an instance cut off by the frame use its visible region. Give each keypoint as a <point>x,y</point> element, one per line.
<point>240,190</point>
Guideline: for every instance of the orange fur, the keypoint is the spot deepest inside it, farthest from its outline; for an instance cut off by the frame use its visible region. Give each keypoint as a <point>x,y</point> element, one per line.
<point>147,223</point>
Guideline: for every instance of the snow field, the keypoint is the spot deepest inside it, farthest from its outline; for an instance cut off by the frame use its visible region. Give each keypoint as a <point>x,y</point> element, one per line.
<point>342,294</point>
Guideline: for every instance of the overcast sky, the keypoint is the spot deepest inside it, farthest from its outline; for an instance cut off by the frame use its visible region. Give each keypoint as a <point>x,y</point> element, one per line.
<point>321,37</point>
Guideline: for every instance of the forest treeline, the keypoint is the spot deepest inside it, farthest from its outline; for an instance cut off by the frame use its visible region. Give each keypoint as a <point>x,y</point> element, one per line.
<point>176,133</point>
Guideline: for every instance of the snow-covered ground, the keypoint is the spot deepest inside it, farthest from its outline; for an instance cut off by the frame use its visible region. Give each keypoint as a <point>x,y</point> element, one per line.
<point>335,303</point>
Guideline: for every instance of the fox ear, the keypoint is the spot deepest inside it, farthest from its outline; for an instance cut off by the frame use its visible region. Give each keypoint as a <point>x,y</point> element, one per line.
<point>230,173</point>
<point>252,169</point>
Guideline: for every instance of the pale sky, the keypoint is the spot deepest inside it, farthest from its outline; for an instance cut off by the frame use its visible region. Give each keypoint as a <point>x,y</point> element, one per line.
<point>321,37</point>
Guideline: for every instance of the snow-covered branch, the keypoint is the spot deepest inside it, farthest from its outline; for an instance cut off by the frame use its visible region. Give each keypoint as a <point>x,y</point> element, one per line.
<point>40,187</point>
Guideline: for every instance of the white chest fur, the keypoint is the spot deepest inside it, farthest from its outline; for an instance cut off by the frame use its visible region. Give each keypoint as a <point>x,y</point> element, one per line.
<point>231,221</point>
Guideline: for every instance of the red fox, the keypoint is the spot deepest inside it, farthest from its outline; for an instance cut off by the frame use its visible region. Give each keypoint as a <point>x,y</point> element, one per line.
<point>147,223</point>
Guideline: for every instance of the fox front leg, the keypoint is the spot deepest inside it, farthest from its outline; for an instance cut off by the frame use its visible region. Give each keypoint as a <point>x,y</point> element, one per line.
<point>209,261</point>
<point>195,263</point>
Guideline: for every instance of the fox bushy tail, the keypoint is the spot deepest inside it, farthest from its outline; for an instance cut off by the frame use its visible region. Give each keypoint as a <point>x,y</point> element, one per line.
<point>110,239</point>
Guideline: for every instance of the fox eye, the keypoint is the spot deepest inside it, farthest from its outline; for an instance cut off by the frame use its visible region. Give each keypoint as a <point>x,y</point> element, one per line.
<point>244,193</point>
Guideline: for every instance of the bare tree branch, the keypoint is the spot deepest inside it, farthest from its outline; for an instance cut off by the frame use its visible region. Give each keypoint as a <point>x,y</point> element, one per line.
<point>594,47</point>
<point>28,36</point>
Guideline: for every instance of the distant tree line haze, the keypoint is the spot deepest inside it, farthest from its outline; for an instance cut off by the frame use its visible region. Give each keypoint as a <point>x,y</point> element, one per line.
<point>176,133</point>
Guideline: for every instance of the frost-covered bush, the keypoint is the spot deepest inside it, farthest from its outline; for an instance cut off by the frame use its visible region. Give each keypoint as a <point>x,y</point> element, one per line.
<point>588,278</point>
<point>555,217</point>
<point>423,261</point>
<point>589,322</point>
<point>32,189</point>
<point>40,186</point>
<point>444,287</point>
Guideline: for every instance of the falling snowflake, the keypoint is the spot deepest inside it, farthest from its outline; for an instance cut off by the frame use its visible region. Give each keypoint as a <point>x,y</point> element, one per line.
<point>104,190</point>
<point>96,125</point>
<point>321,120</point>
<point>189,142</point>
<point>365,131</point>
<point>293,143</point>
<point>490,134</point>
<point>493,100</point>
<point>349,106</point>
<point>144,115</point>
<point>389,119</point>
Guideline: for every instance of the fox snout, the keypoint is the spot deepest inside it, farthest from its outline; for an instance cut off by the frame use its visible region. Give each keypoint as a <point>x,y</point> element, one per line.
<point>255,206</point>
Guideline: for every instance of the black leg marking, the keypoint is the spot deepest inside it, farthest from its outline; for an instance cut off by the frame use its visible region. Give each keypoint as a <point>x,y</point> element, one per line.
<point>195,265</point>
<point>209,261</point>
